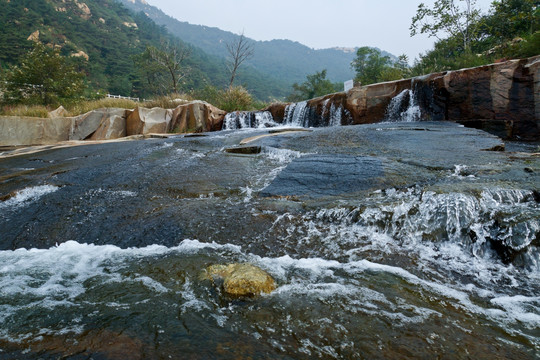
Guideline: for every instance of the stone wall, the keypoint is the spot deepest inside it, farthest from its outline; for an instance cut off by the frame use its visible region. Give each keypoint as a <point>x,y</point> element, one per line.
<point>502,98</point>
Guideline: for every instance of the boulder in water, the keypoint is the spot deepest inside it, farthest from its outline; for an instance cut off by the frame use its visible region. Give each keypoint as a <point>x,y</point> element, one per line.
<point>241,280</point>
<point>244,150</point>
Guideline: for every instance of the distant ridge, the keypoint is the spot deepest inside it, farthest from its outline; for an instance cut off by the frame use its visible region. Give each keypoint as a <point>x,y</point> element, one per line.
<point>286,60</point>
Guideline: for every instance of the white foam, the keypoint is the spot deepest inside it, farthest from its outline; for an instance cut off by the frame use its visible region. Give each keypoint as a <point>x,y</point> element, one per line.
<point>28,195</point>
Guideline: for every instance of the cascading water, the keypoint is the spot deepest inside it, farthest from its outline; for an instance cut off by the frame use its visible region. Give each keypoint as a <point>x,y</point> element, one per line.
<point>296,114</point>
<point>404,108</point>
<point>248,119</point>
<point>436,255</point>
<point>416,104</point>
<point>304,115</point>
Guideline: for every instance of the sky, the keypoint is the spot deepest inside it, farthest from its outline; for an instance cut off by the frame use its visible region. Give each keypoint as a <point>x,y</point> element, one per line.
<point>318,24</point>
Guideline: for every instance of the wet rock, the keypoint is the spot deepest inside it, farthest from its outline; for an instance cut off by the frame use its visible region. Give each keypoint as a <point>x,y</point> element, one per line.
<point>245,150</point>
<point>499,147</point>
<point>277,110</point>
<point>241,280</point>
<point>326,175</point>
<point>281,131</point>
<point>195,135</point>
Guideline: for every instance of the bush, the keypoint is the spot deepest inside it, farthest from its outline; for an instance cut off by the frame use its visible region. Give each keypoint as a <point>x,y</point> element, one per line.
<point>82,107</point>
<point>235,98</point>
<point>168,101</point>
<point>25,110</point>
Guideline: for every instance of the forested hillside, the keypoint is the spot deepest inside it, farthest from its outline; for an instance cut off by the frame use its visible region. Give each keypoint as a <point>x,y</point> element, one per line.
<point>105,37</point>
<point>286,60</point>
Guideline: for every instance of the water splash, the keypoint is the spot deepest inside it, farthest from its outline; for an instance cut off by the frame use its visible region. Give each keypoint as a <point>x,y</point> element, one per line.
<point>248,119</point>
<point>296,114</point>
<point>404,107</point>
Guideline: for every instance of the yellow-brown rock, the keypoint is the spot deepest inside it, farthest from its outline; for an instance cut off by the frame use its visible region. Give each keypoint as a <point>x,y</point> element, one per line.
<point>241,280</point>
<point>196,116</point>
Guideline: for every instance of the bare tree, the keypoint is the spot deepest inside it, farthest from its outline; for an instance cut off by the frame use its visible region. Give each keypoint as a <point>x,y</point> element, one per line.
<point>239,50</point>
<point>166,64</point>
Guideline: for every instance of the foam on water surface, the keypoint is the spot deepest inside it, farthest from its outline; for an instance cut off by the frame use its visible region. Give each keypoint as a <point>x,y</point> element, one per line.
<point>27,195</point>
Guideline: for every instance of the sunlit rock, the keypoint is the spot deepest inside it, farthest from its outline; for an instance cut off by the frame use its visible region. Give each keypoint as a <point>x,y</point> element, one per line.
<point>145,121</point>
<point>196,116</point>
<point>241,280</point>
<point>59,112</point>
<point>99,124</point>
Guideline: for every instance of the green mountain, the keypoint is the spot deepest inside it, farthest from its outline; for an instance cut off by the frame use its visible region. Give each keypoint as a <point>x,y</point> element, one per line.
<point>105,36</point>
<point>285,60</point>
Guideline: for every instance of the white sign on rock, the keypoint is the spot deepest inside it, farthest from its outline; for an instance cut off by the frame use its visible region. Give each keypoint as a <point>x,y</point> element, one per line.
<point>349,84</point>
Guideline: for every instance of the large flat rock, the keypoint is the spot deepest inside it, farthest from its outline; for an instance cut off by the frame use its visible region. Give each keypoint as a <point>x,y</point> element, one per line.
<point>320,175</point>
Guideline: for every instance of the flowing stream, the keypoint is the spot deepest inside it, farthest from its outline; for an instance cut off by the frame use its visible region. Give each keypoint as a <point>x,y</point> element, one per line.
<point>386,241</point>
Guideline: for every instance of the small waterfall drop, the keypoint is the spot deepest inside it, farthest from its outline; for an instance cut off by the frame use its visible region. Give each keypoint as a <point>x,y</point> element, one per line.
<point>335,115</point>
<point>295,114</point>
<point>404,107</point>
<point>248,119</point>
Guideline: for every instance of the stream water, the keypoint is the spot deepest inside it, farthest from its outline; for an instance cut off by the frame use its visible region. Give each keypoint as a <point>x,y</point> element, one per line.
<point>387,241</point>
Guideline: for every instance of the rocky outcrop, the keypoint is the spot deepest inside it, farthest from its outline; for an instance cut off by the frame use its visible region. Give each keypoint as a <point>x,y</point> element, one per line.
<point>109,123</point>
<point>85,126</point>
<point>15,130</point>
<point>112,127</point>
<point>502,98</point>
<point>240,280</point>
<point>196,116</point>
<point>145,121</point>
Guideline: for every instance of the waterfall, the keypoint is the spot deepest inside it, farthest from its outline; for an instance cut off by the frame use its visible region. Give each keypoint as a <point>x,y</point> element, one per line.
<point>299,114</point>
<point>335,115</point>
<point>303,115</point>
<point>404,107</point>
<point>248,119</point>
<point>295,114</point>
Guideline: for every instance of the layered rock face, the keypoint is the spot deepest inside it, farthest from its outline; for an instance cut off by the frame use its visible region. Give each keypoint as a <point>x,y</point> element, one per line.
<point>106,124</point>
<point>501,98</point>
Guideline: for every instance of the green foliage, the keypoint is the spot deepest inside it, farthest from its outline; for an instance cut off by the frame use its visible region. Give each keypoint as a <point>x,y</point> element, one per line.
<point>315,85</point>
<point>373,67</point>
<point>276,64</point>
<point>509,30</point>
<point>458,18</point>
<point>44,77</point>
<point>235,98</point>
<point>511,18</point>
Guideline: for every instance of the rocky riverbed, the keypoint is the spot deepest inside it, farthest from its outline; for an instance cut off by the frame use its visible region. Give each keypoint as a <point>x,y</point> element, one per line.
<point>392,240</point>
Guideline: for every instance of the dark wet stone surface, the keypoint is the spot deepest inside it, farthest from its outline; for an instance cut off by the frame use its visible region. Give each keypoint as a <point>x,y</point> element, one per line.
<point>161,191</point>
<point>322,175</point>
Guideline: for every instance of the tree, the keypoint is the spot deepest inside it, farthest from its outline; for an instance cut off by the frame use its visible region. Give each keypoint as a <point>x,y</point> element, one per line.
<point>239,50</point>
<point>458,18</point>
<point>43,77</point>
<point>315,85</point>
<point>164,67</point>
<point>369,64</point>
<point>511,18</point>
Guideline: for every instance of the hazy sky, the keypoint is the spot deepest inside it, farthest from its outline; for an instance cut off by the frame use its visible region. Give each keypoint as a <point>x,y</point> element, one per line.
<point>315,23</point>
